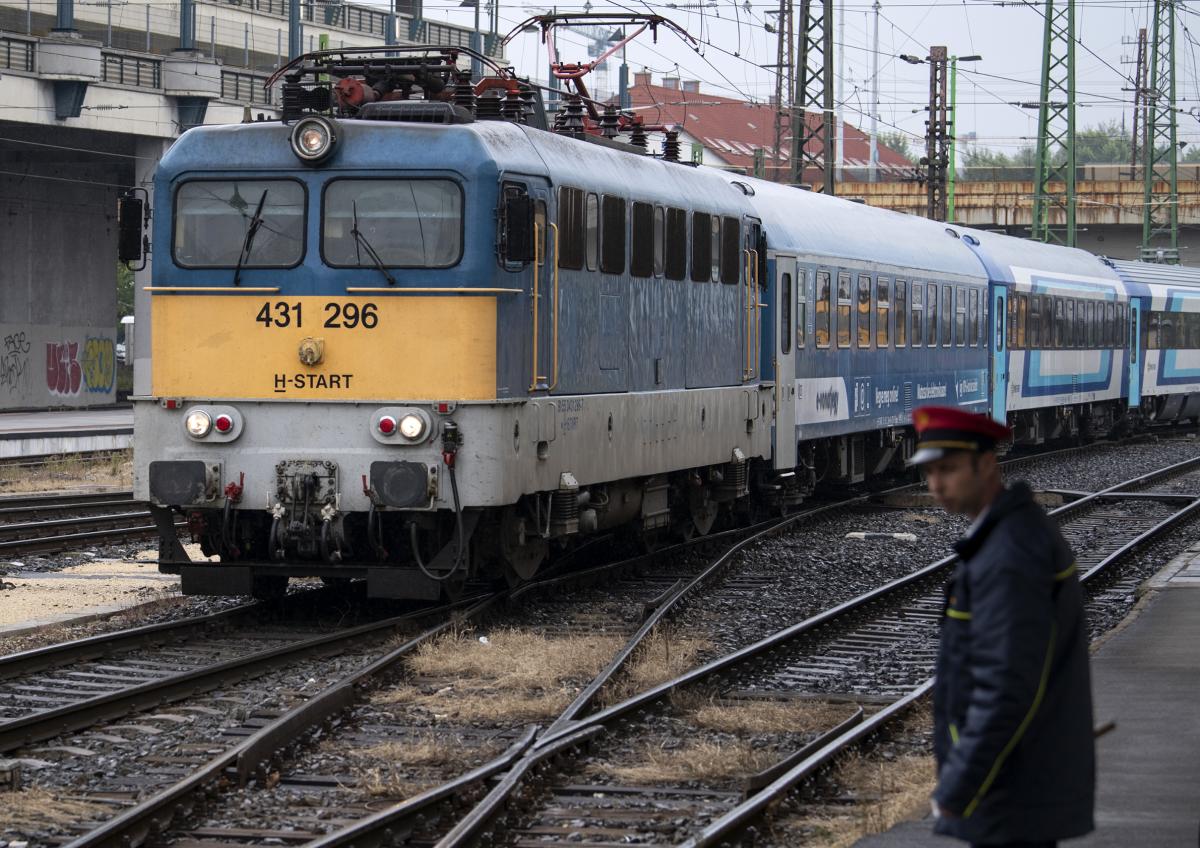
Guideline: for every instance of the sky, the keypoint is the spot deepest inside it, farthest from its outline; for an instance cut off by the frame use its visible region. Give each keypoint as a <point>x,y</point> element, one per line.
<point>1007,34</point>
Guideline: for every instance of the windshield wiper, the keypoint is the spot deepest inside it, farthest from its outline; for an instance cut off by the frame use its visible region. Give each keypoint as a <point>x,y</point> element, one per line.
<point>359,238</point>
<point>255,223</point>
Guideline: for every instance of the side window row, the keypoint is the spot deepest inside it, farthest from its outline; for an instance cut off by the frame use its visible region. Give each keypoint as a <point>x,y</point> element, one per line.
<point>1170,330</point>
<point>903,314</point>
<point>1050,322</point>
<point>592,230</point>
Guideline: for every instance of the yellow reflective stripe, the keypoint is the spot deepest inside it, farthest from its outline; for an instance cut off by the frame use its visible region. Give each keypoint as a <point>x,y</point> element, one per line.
<point>948,444</point>
<point>1066,572</point>
<point>954,733</point>
<point>1024,725</point>
<point>961,615</point>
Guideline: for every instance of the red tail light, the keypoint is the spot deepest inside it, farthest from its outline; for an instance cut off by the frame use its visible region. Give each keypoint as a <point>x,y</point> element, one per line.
<point>223,423</point>
<point>387,425</point>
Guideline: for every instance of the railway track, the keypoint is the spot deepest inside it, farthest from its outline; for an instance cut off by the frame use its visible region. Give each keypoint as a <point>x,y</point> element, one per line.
<point>878,649</point>
<point>253,752</point>
<point>49,524</point>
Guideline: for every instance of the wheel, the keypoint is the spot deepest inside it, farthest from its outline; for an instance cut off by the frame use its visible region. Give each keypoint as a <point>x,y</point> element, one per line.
<point>521,552</point>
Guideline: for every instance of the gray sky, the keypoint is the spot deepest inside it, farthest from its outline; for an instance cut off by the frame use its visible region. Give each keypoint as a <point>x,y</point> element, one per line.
<point>1008,35</point>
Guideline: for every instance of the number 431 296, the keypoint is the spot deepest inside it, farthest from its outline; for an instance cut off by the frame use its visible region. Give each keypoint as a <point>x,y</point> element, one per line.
<point>337,315</point>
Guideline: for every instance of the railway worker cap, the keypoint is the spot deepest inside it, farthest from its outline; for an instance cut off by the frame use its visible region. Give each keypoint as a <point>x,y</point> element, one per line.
<point>945,429</point>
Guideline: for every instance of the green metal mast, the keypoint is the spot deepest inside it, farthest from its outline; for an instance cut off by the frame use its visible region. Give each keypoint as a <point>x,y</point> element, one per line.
<point>1054,185</point>
<point>1160,152</point>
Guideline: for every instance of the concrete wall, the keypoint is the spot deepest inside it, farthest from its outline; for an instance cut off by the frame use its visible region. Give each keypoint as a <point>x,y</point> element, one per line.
<point>58,265</point>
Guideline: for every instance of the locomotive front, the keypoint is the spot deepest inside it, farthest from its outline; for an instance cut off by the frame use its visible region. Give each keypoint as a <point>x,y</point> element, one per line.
<point>324,343</point>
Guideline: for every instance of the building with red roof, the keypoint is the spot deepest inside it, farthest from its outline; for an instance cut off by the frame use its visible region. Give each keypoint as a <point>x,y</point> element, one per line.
<point>724,132</point>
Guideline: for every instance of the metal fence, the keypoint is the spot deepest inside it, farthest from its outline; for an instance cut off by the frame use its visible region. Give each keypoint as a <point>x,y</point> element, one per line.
<point>125,69</point>
<point>16,54</point>
<point>246,88</point>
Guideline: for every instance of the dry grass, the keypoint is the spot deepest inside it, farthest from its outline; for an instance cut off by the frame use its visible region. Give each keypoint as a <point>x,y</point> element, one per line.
<point>71,471</point>
<point>662,656</point>
<point>892,791</point>
<point>704,761</point>
<point>36,809</point>
<point>514,675</point>
<point>426,751</point>
<point>771,716</point>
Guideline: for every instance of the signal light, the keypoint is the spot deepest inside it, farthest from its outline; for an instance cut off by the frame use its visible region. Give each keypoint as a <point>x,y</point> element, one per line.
<point>223,423</point>
<point>387,425</point>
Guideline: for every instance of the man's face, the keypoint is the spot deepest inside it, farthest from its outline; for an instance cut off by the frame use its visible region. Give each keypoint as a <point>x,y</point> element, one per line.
<point>958,481</point>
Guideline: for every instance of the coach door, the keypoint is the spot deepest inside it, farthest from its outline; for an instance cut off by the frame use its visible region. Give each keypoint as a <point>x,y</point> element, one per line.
<point>1134,358</point>
<point>538,276</point>
<point>787,279</point>
<point>999,364</point>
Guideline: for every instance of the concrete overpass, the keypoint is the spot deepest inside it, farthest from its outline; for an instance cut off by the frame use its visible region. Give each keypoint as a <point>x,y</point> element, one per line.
<point>1108,209</point>
<point>86,112</point>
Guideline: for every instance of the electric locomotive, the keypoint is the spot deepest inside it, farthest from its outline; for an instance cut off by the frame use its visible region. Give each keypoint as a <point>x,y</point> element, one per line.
<point>417,344</point>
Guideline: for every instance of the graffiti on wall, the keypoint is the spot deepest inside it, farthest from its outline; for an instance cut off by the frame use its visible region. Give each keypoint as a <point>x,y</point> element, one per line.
<point>99,364</point>
<point>14,363</point>
<point>72,367</point>
<point>64,375</point>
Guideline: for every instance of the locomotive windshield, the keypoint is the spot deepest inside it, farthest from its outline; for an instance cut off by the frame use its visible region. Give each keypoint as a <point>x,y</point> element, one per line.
<point>212,218</point>
<point>408,223</point>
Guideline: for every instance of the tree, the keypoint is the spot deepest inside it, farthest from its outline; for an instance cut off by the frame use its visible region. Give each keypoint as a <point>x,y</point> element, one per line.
<point>1106,144</point>
<point>124,291</point>
<point>899,142</point>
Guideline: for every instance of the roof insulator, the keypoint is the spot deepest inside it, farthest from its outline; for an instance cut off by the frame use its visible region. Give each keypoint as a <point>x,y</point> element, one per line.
<point>637,136</point>
<point>610,122</point>
<point>464,92</point>
<point>513,108</point>
<point>671,146</point>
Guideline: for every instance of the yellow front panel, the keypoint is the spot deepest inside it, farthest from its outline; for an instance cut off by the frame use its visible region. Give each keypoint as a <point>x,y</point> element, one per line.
<point>384,348</point>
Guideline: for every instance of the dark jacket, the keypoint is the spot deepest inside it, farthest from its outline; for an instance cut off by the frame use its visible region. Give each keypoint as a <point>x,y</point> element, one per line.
<point>1013,701</point>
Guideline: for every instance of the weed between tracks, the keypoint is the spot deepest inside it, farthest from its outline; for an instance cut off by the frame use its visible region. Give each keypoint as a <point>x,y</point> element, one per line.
<point>70,471</point>
<point>504,676</point>
<point>35,809</point>
<point>663,656</point>
<point>865,793</point>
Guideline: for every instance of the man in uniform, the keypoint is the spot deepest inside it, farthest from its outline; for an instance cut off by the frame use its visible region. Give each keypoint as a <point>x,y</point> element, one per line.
<point>1012,702</point>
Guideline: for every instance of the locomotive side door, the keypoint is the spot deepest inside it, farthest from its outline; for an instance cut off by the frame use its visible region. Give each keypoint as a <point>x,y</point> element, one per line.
<point>999,349</point>
<point>1134,357</point>
<point>539,281</point>
<point>787,281</point>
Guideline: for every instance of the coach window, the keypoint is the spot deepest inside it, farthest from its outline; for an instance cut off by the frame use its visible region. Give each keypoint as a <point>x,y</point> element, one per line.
<point>570,228</point>
<point>643,238</point>
<point>883,308</point>
<point>918,313</point>
<point>1012,320</point>
<point>864,310</point>
<point>660,240</point>
<point>973,316</point>
<point>1072,324</point>
<point>843,310</point>
<point>1110,325</point>
<point>960,316</point>
<point>675,267</point>
<point>824,309</point>
<point>539,224</point>
<point>801,309</point>
<point>1059,323</point>
<point>612,253</point>
<point>1034,328</point>
<point>947,314</point>
<point>701,247</point>
<point>901,312</point>
<point>715,227</point>
<point>1022,321</point>
<point>1092,341</point>
<point>931,315</point>
<point>591,231</point>
<point>785,314</point>
<point>731,250</point>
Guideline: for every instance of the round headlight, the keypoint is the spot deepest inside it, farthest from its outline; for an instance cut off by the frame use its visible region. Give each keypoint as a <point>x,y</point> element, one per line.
<point>412,427</point>
<point>198,423</point>
<point>313,139</point>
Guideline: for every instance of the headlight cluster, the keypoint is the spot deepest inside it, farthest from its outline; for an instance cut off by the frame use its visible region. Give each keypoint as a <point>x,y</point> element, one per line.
<point>404,425</point>
<point>314,139</point>
<point>222,424</point>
